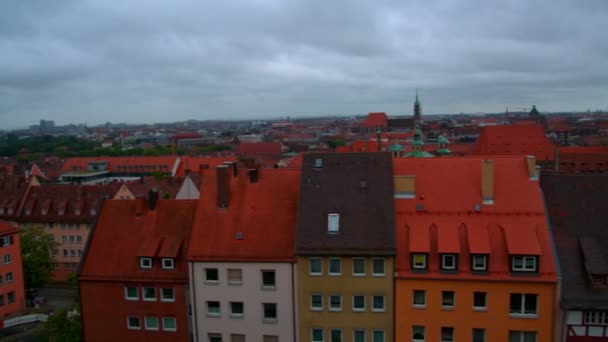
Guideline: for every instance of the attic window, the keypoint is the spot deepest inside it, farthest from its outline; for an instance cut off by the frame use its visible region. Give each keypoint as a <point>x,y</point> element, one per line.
<point>28,211</point>
<point>1,211</point>
<point>523,263</point>
<point>318,163</point>
<point>333,223</point>
<point>43,211</point>
<point>145,263</point>
<point>60,211</point>
<point>77,211</point>
<point>93,212</point>
<point>599,280</point>
<point>168,264</point>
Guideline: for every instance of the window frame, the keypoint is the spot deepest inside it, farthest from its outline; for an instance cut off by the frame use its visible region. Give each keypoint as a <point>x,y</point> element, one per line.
<point>164,326</point>
<point>162,295</point>
<point>355,309</point>
<point>378,331</point>
<point>143,294</point>
<point>374,309</point>
<point>232,281</point>
<point>374,273</point>
<point>312,307</point>
<point>523,268</point>
<point>142,261</point>
<point>329,306</point>
<point>332,330</point>
<point>130,327</point>
<point>485,301</point>
<point>219,308</point>
<point>424,267</point>
<point>264,285</point>
<point>353,266</point>
<point>333,227</point>
<point>522,312</point>
<point>485,263</point>
<point>238,315</point>
<point>452,330</point>
<point>443,294</point>
<point>146,327</point>
<point>167,267</point>
<point>522,334</point>
<point>136,298</point>
<point>414,339</point>
<point>276,312</point>
<point>483,334</point>
<point>339,263</point>
<point>310,262</point>
<point>416,305</point>
<point>360,330</point>
<point>211,281</point>
<point>312,334</point>
<point>447,256</point>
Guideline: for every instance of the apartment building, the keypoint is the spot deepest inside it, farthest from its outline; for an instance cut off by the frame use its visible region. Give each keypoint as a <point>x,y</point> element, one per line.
<point>345,248</point>
<point>134,278</point>
<point>474,261</point>
<point>578,212</point>
<point>241,256</point>
<point>12,295</point>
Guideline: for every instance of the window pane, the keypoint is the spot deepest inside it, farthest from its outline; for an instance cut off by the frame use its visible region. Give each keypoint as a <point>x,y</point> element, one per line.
<point>378,266</point>
<point>237,338</point>
<point>447,334</point>
<point>270,338</point>
<point>168,294</point>
<point>270,311</point>
<point>151,322</point>
<point>268,278</point>
<point>479,335</point>
<point>359,336</point>
<point>419,297</point>
<point>515,336</point>
<point>317,335</point>
<point>335,301</point>
<point>530,304</point>
<point>315,265</point>
<point>479,299</point>
<point>418,332</point>
<point>213,307</point>
<point>134,322</point>
<point>358,266</point>
<point>529,336</point>
<point>169,323</point>
<point>447,298</point>
<point>379,302</point>
<point>132,292</point>
<point>518,262</point>
<point>316,301</point>
<point>515,305</point>
<point>529,263</point>
<point>378,336</point>
<point>211,274</point>
<point>336,336</point>
<point>359,302</point>
<point>149,293</point>
<point>419,260</point>
<point>334,266</point>
<point>235,275</point>
<point>236,308</point>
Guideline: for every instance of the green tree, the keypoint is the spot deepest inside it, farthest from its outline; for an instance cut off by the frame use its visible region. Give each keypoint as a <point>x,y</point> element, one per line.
<point>37,248</point>
<point>62,326</point>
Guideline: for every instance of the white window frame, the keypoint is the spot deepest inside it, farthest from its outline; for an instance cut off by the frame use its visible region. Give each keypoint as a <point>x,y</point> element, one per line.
<point>336,329</point>
<point>423,333</point>
<point>522,313</point>
<point>481,308</point>
<point>329,260</point>
<point>329,307</point>
<point>523,262</point>
<point>9,277</point>
<point>143,260</point>
<point>146,323</point>
<point>8,259</point>
<point>485,262</point>
<point>522,334</point>
<point>127,293</point>
<point>414,304</point>
<point>233,282</point>
<point>219,307</point>
<point>383,334</point>
<point>169,329</point>
<point>445,257</point>
<point>360,330</point>
<point>383,303</point>
<point>422,267</point>
<point>264,286</point>
<point>443,306</point>
<point>358,274</point>
<point>143,294</point>
<point>207,280</point>
<point>312,308</point>
<point>383,267</point>
<point>333,223</point>
<point>162,295</point>
<point>599,280</point>
<point>312,330</point>
<point>130,327</point>
<point>310,260</point>
<point>599,318</point>
<point>232,314</point>
<point>364,306</point>
<point>167,263</point>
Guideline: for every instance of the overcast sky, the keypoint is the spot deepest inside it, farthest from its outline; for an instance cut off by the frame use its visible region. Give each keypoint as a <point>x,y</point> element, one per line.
<point>76,61</point>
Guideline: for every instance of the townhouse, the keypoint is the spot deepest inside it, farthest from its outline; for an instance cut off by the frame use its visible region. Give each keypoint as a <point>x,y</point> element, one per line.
<point>134,278</point>
<point>241,258</point>
<point>474,261</point>
<point>578,212</point>
<point>12,293</point>
<point>345,248</point>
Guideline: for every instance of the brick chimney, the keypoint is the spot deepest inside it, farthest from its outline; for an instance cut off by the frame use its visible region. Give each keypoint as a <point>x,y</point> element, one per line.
<point>531,164</point>
<point>152,198</point>
<point>223,186</point>
<point>487,181</point>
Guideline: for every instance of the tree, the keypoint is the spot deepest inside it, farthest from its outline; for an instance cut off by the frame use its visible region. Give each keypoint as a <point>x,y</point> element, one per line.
<point>37,249</point>
<point>62,326</point>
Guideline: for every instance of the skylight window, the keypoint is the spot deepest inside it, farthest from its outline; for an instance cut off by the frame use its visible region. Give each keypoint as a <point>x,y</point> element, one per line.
<point>333,223</point>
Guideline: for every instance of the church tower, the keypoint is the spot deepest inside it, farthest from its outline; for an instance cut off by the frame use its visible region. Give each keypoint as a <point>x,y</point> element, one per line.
<point>417,113</point>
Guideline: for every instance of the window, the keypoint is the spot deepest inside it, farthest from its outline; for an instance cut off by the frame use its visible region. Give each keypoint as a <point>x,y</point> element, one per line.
<point>213,308</point>
<point>80,252</point>
<point>149,294</point>
<point>599,280</point>
<point>479,335</point>
<point>447,299</point>
<point>214,337</point>
<point>237,338</point>
<point>419,261</point>
<point>479,262</point>
<point>268,279</point>
<point>335,303</point>
<point>335,266</point>
<point>72,239</point>
<point>64,239</point>
<point>316,302</point>
<point>419,298</point>
<point>523,264</point>
<point>523,304</point>
<point>211,275</point>
<point>335,335</point>
<point>145,263</point>
<point>235,276</point>
<point>0,280</point>
<point>479,300</point>
<point>237,309</point>
<point>333,223</point>
<point>151,323</point>
<point>133,323</point>
<point>131,293</point>
<point>167,263</point>
<point>11,297</point>
<point>359,335</point>
<point>522,336</point>
<point>448,262</point>
<point>316,335</point>
<point>316,267</point>
<point>169,324</point>
<point>378,336</point>
<point>318,163</point>
<point>7,259</point>
<point>358,303</point>
<point>378,303</point>
<point>596,317</point>
<point>378,266</point>
<point>270,311</point>
<point>65,253</point>
<point>417,333</point>
<point>167,294</point>
<point>447,334</point>
<point>9,277</point>
<point>72,252</point>
<point>270,338</point>
<point>358,266</point>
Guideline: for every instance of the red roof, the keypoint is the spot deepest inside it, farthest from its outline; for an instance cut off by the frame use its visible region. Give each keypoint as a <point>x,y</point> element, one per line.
<point>583,158</point>
<point>375,120</point>
<point>523,139</point>
<point>254,149</point>
<point>186,135</point>
<point>194,164</point>
<point>123,164</point>
<point>264,213</point>
<point>7,228</point>
<point>121,237</point>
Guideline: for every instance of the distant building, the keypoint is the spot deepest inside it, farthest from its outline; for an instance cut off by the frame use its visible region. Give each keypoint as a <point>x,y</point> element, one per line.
<point>100,170</point>
<point>12,293</point>
<point>524,139</point>
<point>47,125</point>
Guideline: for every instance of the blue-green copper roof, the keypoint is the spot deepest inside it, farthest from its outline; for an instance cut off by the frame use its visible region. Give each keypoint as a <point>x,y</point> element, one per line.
<point>396,148</point>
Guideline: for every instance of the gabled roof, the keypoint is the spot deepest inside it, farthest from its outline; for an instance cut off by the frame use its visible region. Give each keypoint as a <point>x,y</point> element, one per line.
<point>583,158</point>
<point>525,139</point>
<point>194,164</point>
<point>7,228</point>
<point>375,120</point>
<point>263,214</point>
<point>578,214</point>
<point>12,193</point>
<point>117,240</point>
<point>167,186</point>
<point>358,187</point>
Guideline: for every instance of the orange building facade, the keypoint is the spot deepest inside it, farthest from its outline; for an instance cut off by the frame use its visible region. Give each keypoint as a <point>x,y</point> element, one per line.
<point>12,293</point>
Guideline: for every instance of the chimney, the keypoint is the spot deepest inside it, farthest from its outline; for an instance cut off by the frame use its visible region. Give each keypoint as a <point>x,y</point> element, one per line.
<point>253,176</point>
<point>487,181</point>
<point>152,198</point>
<point>235,169</point>
<point>223,186</point>
<point>556,159</point>
<point>531,163</point>
<point>379,140</point>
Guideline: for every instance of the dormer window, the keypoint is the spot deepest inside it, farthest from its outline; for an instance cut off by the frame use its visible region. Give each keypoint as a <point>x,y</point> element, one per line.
<point>93,212</point>
<point>168,264</point>
<point>524,263</point>
<point>318,163</point>
<point>28,211</point>
<point>10,211</point>
<point>145,263</point>
<point>599,280</point>
<point>60,211</point>
<point>419,261</point>
<point>77,211</point>
<point>333,223</point>
<point>479,262</point>
<point>1,211</point>
<point>43,211</point>
<point>449,262</point>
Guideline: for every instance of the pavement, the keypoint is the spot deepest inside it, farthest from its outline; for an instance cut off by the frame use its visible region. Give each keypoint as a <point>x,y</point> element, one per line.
<point>58,298</point>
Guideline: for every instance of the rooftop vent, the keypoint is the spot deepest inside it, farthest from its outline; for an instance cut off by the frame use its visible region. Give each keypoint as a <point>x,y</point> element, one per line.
<point>419,207</point>
<point>477,208</point>
<point>318,163</point>
<point>239,236</point>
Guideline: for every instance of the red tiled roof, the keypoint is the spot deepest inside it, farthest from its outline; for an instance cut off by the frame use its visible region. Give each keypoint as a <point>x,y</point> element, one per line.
<point>6,228</point>
<point>376,120</point>
<point>166,186</point>
<point>263,212</point>
<point>124,164</point>
<point>186,135</point>
<point>522,240</point>
<point>448,238</point>
<point>419,238</point>
<point>253,149</point>
<point>515,140</point>
<point>194,164</point>
<point>121,236</point>
<point>478,239</point>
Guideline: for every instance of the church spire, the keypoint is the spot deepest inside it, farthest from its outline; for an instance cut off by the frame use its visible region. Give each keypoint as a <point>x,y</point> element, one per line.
<point>417,112</point>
